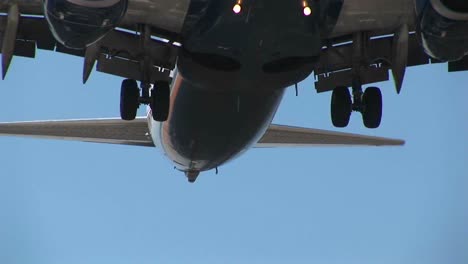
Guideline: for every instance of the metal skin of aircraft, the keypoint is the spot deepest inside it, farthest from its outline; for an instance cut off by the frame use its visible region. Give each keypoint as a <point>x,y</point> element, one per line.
<point>213,72</point>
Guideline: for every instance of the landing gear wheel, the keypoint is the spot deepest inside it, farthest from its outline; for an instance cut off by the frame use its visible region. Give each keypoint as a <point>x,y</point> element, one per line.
<point>160,101</point>
<point>129,95</point>
<point>372,107</point>
<point>341,107</point>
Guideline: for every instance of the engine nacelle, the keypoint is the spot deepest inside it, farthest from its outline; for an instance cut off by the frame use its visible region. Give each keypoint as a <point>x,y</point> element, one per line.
<point>444,28</point>
<point>79,23</point>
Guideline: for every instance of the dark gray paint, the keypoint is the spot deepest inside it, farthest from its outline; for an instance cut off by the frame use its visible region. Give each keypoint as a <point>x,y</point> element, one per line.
<point>207,128</point>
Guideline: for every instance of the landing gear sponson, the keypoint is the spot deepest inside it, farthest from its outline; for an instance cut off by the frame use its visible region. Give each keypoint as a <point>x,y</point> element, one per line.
<point>156,96</point>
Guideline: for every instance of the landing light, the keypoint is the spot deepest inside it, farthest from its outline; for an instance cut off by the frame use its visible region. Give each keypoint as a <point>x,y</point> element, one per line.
<point>237,8</point>
<point>307,11</point>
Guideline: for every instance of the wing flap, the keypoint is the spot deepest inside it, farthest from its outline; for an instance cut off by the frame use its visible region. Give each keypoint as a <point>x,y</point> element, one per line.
<point>288,136</point>
<point>111,131</point>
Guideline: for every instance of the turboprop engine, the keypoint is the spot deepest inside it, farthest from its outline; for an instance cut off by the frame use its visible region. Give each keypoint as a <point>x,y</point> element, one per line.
<point>79,23</point>
<point>444,28</point>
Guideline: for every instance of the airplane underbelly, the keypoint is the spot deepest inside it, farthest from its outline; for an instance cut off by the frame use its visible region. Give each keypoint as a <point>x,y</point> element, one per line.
<point>373,15</point>
<point>207,128</point>
<point>163,14</point>
<point>271,43</point>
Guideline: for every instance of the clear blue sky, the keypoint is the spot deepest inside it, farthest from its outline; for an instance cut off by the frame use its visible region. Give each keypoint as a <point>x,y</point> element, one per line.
<point>70,202</point>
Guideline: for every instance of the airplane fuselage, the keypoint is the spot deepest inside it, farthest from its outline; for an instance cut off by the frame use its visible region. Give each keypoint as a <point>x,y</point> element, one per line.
<point>207,128</point>
<point>232,72</point>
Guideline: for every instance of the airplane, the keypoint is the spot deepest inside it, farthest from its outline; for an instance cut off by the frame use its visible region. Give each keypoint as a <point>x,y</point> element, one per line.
<point>213,72</point>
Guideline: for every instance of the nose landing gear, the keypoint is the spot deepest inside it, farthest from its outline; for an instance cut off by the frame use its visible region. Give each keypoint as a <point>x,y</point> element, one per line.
<point>156,96</point>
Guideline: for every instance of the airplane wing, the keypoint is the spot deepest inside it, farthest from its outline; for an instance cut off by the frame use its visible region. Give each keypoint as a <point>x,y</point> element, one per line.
<point>111,131</point>
<point>164,15</point>
<point>289,136</point>
<point>136,133</point>
<point>119,53</point>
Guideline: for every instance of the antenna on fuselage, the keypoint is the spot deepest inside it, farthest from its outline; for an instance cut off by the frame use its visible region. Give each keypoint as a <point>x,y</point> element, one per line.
<point>192,175</point>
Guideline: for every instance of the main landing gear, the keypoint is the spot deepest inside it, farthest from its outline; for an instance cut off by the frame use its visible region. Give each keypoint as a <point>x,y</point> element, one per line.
<point>156,96</point>
<point>368,103</point>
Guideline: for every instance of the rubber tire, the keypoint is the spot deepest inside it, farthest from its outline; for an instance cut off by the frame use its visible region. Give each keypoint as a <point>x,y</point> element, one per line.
<point>340,107</point>
<point>160,101</point>
<point>129,94</point>
<point>372,107</point>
